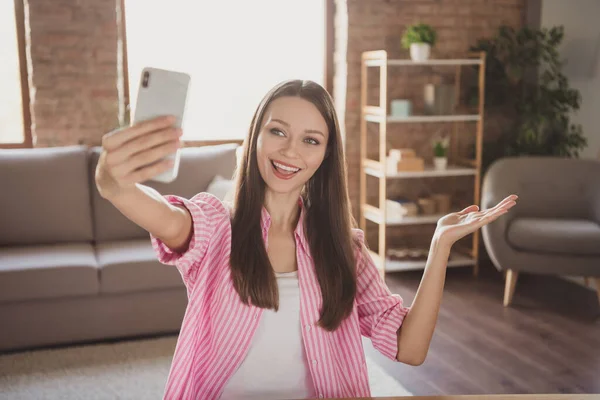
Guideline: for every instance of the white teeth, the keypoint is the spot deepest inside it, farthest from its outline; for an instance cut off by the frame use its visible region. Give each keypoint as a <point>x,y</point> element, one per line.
<point>285,167</point>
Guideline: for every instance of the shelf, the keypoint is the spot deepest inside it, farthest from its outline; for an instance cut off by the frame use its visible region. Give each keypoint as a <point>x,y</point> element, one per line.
<point>373,214</point>
<point>430,62</point>
<point>374,168</point>
<point>373,117</point>
<point>456,260</point>
<point>467,167</point>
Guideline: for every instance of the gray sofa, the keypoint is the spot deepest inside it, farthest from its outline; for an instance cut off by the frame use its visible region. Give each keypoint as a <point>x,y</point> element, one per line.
<point>555,226</point>
<point>72,267</point>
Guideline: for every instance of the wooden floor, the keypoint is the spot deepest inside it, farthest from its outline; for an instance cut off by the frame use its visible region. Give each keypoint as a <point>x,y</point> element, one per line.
<point>547,342</point>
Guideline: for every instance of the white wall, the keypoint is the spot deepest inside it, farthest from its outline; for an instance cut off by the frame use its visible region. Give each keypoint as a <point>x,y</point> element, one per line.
<point>581,47</point>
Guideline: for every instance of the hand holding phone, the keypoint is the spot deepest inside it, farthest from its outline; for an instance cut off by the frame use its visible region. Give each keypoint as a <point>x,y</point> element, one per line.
<point>161,93</point>
<point>136,154</point>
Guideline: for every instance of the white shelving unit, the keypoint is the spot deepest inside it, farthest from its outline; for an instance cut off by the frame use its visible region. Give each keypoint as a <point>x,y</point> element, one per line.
<point>461,167</point>
<point>378,62</point>
<point>376,169</point>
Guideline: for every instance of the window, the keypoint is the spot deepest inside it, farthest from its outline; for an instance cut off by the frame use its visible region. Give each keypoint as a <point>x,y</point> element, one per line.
<point>14,132</point>
<point>234,51</point>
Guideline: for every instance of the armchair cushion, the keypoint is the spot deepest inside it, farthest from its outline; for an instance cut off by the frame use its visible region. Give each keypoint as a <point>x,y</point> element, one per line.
<point>558,236</point>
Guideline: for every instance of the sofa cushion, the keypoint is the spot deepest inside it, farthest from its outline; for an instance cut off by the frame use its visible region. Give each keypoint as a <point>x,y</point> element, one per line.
<point>560,236</point>
<point>198,166</point>
<point>49,271</point>
<point>131,265</point>
<point>46,196</point>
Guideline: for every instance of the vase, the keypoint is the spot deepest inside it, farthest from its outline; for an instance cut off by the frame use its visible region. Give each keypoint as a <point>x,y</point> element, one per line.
<point>420,51</point>
<point>440,163</point>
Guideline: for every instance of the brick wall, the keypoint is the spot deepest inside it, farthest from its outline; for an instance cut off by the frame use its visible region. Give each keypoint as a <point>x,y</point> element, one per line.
<point>378,24</point>
<point>73,70</point>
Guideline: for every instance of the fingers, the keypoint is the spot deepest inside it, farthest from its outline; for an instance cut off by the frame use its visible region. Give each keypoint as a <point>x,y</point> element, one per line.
<point>144,158</point>
<point>148,172</point>
<point>143,143</point>
<point>490,216</point>
<point>118,138</point>
<point>507,201</point>
<point>469,209</point>
<point>504,205</point>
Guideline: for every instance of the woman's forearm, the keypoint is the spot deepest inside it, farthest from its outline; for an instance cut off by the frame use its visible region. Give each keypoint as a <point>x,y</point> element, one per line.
<point>147,208</point>
<point>414,336</point>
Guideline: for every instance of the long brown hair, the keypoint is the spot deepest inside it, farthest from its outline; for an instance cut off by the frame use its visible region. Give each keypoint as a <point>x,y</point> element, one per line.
<point>328,220</point>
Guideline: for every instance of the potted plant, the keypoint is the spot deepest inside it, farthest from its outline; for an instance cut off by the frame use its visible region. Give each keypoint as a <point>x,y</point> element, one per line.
<point>527,92</point>
<point>419,38</point>
<point>440,152</point>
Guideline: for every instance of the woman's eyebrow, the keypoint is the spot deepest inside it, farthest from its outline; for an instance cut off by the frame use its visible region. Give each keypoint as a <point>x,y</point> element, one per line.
<point>282,122</point>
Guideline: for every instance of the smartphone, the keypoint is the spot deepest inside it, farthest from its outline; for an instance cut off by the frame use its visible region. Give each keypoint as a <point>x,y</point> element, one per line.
<point>162,92</point>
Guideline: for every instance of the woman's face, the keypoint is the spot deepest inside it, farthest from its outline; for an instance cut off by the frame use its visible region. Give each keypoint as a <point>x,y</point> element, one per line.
<point>291,144</point>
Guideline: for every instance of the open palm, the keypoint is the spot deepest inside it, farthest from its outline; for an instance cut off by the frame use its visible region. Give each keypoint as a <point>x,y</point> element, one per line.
<point>457,225</point>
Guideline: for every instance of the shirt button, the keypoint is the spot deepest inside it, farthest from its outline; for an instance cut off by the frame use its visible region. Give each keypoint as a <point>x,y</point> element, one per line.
<point>308,327</point>
<point>314,362</point>
<point>320,395</point>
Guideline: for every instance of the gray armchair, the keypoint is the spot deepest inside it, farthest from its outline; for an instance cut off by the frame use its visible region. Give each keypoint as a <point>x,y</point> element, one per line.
<point>555,226</point>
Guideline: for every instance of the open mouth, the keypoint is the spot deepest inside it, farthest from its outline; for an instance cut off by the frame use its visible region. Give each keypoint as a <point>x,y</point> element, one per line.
<point>284,171</point>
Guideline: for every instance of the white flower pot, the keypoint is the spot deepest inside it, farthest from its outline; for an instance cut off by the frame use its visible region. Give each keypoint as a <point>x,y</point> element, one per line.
<point>440,162</point>
<point>420,51</point>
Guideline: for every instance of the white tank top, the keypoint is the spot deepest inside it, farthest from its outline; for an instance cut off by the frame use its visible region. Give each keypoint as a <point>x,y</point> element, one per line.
<point>276,366</point>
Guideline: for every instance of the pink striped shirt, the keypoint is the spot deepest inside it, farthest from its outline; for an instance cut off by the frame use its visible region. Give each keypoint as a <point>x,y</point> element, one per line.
<point>217,328</point>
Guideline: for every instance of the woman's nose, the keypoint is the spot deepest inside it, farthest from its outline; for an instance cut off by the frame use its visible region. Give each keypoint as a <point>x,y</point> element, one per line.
<point>290,148</point>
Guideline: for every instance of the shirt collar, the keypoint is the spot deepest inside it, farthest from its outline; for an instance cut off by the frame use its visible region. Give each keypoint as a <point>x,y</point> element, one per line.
<point>265,222</point>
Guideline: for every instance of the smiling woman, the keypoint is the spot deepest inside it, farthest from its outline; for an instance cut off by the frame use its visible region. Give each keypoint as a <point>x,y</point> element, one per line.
<point>281,284</point>
<point>292,143</point>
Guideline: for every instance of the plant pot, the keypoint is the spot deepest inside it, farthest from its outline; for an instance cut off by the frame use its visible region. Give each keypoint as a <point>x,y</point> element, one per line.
<point>440,162</point>
<point>420,51</point>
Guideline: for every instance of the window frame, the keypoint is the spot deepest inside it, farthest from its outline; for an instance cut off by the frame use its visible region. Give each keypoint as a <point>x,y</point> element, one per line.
<point>25,100</point>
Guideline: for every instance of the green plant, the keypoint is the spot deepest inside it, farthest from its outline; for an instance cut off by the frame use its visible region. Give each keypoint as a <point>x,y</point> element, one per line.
<point>525,85</point>
<point>440,146</point>
<point>418,33</point>
<point>439,150</point>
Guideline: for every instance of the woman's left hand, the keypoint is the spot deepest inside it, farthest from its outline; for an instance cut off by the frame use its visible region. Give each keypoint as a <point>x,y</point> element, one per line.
<point>455,226</point>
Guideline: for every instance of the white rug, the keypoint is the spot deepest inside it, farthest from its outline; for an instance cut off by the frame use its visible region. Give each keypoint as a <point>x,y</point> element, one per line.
<point>126,370</point>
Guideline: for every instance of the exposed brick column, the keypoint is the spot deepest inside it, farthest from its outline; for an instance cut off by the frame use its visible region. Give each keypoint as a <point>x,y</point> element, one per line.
<point>73,70</point>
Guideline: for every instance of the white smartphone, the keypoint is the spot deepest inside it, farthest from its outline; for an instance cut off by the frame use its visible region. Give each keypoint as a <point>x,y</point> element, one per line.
<point>162,92</point>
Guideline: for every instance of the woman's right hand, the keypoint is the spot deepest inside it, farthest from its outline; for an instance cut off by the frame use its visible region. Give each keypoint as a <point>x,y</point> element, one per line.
<point>133,154</point>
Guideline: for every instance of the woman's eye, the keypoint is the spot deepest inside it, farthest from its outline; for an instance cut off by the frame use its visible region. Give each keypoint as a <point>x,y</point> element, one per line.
<point>277,132</point>
<point>312,141</point>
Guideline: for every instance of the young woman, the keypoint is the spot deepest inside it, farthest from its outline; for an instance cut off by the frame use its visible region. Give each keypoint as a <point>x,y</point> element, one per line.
<point>280,285</point>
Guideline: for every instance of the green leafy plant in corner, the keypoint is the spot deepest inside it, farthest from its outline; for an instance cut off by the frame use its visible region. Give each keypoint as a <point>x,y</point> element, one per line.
<point>524,82</point>
<point>419,33</point>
